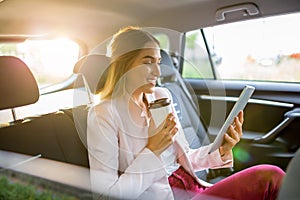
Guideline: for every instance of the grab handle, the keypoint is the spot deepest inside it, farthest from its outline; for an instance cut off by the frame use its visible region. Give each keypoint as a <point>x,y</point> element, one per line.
<point>248,8</point>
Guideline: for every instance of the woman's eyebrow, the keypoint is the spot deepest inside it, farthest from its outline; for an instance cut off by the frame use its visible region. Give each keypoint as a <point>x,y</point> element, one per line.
<point>151,57</point>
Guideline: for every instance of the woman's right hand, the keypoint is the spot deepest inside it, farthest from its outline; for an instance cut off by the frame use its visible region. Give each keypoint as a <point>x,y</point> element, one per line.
<point>161,138</point>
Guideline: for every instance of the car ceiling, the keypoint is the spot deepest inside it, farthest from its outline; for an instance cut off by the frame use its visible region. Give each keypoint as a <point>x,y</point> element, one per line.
<point>92,21</point>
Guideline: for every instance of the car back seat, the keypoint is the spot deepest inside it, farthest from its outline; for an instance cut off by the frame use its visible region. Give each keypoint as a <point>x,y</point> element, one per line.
<point>52,135</point>
<point>90,70</point>
<point>187,109</point>
<point>194,129</point>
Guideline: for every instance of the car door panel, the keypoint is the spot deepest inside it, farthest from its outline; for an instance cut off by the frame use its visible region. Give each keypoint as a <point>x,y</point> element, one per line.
<point>272,118</point>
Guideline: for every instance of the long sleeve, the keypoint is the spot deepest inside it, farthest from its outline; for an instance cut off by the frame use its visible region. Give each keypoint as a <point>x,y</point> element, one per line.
<point>103,147</point>
<point>201,159</point>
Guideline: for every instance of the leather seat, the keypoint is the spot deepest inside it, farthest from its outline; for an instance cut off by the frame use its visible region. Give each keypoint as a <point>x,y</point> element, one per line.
<point>52,135</point>
<point>290,185</point>
<point>193,125</point>
<point>18,86</point>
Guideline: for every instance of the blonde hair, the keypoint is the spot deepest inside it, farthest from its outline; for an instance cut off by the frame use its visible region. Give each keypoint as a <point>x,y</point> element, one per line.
<point>124,47</point>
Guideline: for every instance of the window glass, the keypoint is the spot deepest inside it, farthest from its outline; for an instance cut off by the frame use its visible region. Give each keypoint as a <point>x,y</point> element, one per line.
<point>196,62</point>
<point>163,40</point>
<point>265,49</point>
<point>50,61</point>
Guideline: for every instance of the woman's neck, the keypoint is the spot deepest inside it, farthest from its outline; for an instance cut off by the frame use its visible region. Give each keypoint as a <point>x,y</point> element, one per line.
<point>138,97</point>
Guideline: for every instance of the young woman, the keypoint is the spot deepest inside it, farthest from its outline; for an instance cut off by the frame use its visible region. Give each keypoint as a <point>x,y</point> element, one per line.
<point>132,158</point>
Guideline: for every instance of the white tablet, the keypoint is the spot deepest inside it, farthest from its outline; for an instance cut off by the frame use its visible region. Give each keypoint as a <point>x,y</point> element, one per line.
<point>238,106</point>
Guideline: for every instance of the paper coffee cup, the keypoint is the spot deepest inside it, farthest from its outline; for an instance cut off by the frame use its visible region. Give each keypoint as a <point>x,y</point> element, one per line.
<point>159,109</point>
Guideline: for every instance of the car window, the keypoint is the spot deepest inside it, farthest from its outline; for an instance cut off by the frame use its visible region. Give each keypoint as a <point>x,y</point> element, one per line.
<point>163,40</point>
<point>51,61</point>
<point>196,63</point>
<point>258,50</point>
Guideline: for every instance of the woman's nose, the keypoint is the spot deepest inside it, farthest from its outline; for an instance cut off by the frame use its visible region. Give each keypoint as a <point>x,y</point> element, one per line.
<point>156,70</point>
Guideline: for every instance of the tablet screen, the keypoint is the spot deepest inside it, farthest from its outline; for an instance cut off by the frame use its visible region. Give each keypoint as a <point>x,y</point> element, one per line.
<point>238,106</point>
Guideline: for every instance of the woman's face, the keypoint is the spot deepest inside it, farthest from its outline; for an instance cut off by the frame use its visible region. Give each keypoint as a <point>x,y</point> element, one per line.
<point>145,70</point>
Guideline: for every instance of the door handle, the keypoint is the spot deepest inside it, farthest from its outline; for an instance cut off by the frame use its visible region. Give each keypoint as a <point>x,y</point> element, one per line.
<point>273,134</point>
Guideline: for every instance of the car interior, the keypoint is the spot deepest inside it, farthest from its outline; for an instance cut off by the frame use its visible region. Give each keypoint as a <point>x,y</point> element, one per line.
<point>43,124</point>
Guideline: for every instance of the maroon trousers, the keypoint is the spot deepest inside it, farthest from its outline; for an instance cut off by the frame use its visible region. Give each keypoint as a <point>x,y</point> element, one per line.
<point>254,183</point>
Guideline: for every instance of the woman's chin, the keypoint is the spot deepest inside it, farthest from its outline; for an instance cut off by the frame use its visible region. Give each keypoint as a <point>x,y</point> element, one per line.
<point>150,89</point>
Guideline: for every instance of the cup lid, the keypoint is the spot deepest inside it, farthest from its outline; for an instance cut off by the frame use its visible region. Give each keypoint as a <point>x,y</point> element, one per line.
<point>158,103</point>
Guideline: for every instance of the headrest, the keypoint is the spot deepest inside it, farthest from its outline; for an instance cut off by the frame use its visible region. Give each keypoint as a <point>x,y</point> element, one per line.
<point>93,68</point>
<point>168,70</point>
<point>18,86</point>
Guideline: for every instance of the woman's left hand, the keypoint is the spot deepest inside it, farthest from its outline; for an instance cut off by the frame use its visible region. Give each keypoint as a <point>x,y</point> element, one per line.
<point>233,136</point>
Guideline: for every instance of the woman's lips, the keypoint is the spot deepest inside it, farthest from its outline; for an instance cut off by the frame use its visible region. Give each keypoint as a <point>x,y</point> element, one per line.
<point>152,81</point>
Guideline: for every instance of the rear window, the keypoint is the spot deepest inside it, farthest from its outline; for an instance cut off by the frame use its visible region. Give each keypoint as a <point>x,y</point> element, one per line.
<point>51,61</point>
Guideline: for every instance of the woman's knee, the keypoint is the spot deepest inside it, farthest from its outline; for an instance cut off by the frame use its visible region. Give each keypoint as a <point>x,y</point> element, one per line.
<point>269,173</point>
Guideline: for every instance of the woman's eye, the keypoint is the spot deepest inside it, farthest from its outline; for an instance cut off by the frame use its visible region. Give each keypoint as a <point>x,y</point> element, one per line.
<point>148,62</point>
<point>151,63</point>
